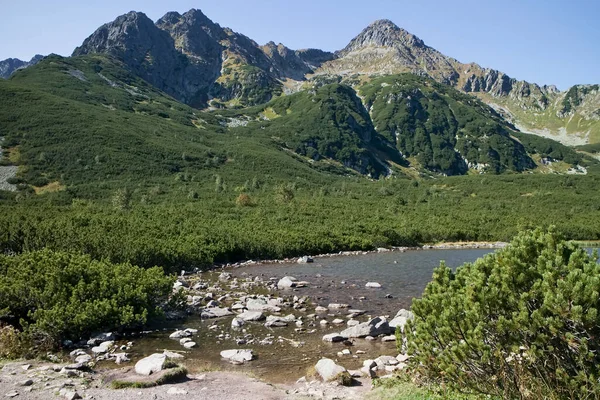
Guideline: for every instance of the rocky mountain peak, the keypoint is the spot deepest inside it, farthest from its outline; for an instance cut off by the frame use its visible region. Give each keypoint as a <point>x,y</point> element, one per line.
<point>383,33</point>
<point>10,65</point>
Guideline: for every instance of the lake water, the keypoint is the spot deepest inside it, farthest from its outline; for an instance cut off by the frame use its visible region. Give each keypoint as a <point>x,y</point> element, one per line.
<point>340,279</point>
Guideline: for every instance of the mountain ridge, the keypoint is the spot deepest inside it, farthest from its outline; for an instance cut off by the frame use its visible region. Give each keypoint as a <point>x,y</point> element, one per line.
<point>10,65</point>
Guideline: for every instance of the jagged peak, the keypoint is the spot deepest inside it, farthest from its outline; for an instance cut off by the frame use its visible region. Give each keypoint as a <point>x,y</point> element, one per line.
<point>383,33</point>
<point>170,18</point>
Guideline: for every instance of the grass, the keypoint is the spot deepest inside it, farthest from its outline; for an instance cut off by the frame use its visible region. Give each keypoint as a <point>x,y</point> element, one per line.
<point>401,388</point>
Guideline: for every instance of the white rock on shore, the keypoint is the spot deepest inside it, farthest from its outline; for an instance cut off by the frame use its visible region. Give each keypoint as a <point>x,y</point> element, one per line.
<point>151,364</point>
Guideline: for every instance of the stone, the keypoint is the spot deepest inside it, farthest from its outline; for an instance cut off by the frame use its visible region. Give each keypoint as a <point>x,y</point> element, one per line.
<point>346,352</point>
<point>237,356</point>
<point>320,309</point>
<point>305,260</point>
<point>189,345</point>
<point>402,357</point>
<point>400,320</point>
<point>368,372</point>
<point>101,337</point>
<point>353,322</point>
<point>172,355</point>
<point>72,395</point>
<point>27,382</point>
<point>373,285</point>
<point>330,371</point>
<point>337,321</point>
<point>215,312</point>
<point>184,341</point>
<point>334,337</point>
<point>179,334</point>
<point>251,316</point>
<point>274,321</point>
<point>237,322</point>
<point>336,306</point>
<point>103,347</point>
<point>374,327</point>
<point>261,305</point>
<point>369,364</point>
<point>389,338</point>
<point>84,358</point>
<point>12,394</point>
<point>384,361</point>
<point>151,364</point>
<point>121,358</point>
<point>287,282</point>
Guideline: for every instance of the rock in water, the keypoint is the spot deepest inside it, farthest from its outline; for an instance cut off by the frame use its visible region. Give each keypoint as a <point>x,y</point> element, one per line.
<point>373,285</point>
<point>286,282</point>
<point>305,260</point>
<point>237,356</point>
<point>375,327</point>
<point>251,316</point>
<point>334,337</point>
<point>330,371</point>
<point>151,364</point>
<point>103,347</point>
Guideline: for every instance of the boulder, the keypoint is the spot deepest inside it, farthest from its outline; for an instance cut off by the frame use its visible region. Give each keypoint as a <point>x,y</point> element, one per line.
<point>305,260</point>
<point>237,356</point>
<point>261,305</point>
<point>179,334</point>
<point>237,322</point>
<point>189,345</point>
<point>320,309</point>
<point>373,285</point>
<point>333,337</point>
<point>330,371</point>
<point>337,306</point>
<point>102,347</point>
<point>172,355</point>
<point>215,312</point>
<point>84,358</point>
<point>400,320</point>
<point>389,338</point>
<point>251,316</point>
<point>374,327</point>
<point>101,337</point>
<point>151,364</point>
<point>274,321</point>
<point>286,282</point>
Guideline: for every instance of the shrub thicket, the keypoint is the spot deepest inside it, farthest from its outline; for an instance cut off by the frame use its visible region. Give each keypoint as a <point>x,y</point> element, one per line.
<point>55,295</point>
<point>522,322</point>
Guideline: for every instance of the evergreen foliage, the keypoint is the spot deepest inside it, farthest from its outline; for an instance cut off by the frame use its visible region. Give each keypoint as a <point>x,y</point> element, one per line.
<point>519,323</point>
<point>56,295</point>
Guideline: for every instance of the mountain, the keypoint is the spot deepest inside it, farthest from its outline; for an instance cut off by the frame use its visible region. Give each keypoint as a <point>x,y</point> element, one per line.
<point>195,60</point>
<point>572,116</point>
<point>10,65</point>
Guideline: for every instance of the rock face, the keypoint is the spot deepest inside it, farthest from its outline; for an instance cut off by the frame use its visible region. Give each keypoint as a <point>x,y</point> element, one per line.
<point>151,364</point>
<point>375,327</point>
<point>194,59</point>
<point>10,65</point>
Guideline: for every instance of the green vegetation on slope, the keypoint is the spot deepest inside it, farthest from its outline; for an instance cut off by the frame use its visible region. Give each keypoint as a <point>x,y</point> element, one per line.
<point>444,129</point>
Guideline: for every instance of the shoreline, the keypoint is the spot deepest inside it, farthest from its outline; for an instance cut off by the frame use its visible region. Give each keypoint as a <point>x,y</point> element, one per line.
<point>400,249</point>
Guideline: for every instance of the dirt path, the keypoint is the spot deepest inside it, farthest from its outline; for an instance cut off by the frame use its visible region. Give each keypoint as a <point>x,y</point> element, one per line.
<point>46,381</point>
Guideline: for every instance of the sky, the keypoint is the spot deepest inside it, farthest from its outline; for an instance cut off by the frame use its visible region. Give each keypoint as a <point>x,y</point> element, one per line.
<point>542,41</point>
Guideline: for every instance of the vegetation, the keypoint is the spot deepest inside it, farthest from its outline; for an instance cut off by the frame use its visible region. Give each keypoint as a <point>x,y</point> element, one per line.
<point>173,374</point>
<point>52,296</point>
<point>521,322</point>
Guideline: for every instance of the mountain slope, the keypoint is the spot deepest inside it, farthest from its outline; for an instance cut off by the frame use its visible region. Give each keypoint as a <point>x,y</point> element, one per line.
<point>10,65</point>
<point>195,60</point>
<point>383,48</point>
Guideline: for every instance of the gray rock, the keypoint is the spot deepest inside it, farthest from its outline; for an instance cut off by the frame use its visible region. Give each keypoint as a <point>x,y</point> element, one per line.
<point>189,345</point>
<point>251,316</point>
<point>151,364</point>
<point>179,334</point>
<point>72,395</point>
<point>177,391</point>
<point>237,356</point>
<point>26,382</point>
<point>215,312</point>
<point>274,321</point>
<point>103,347</point>
<point>374,327</point>
<point>329,370</point>
<point>337,306</point>
<point>237,322</point>
<point>84,358</point>
<point>286,282</point>
<point>305,260</point>
<point>172,355</point>
<point>334,337</point>
<point>12,394</point>
<point>400,320</point>
<point>389,338</point>
<point>373,285</point>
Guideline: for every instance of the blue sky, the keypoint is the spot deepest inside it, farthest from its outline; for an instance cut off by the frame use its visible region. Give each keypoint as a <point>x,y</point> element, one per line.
<point>542,41</point>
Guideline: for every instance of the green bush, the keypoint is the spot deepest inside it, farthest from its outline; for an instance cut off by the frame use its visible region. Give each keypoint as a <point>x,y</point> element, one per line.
<point>55,295</point>
<point>522,322</point>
